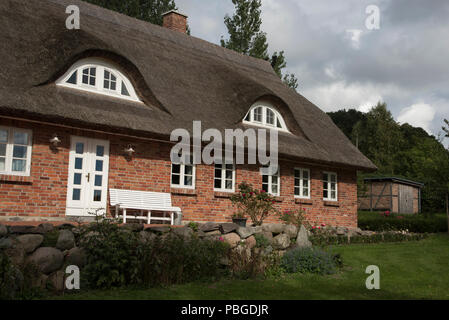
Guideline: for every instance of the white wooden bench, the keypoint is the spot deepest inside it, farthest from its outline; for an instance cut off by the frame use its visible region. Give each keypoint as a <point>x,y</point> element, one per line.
<point>145,202</point>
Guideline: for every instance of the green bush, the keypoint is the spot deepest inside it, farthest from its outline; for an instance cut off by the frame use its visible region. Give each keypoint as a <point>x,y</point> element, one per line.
<point>413,223</point>
<point>323,240</point>
<point>261,241</point>
<point>118,257</point>
<point>310,260</point>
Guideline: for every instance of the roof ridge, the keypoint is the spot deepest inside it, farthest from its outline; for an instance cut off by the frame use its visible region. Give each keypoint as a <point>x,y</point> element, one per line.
<point>250,62</point>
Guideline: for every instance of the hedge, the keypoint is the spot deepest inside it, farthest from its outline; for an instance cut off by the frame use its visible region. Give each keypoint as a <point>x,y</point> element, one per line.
<point>414,223</point>
<point>325,240</point>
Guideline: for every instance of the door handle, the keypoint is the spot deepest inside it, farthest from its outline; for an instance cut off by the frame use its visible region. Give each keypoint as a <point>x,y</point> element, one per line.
<point>88,177</point>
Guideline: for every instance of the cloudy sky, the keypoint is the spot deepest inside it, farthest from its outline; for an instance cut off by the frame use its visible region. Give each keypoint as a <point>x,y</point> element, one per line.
<point>341,63</point>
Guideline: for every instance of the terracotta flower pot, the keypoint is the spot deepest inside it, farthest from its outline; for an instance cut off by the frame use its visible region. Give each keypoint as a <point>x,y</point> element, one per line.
<point>240,221</point>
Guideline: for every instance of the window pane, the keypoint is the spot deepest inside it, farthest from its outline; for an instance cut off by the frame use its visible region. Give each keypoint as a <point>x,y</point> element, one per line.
<point>79,148</point>
<point>72,78</point>
<point>175,179</point>
<point>218,173</point>
<point>258,114</point>
<point>99,165</point>
<point>297,174</point>
<point>19,152</point>
<point>325,185</point>
<point>278,124</point>
<point>333,178</point>
<point>176,168</point>
<point>305,183</point>
<point>124,90</point>
<point>305,174</point>
<point>305,192</point>
<point>265,179</point>
<point>92,81</point>
<point>265,187</point>
<point>85,79</point>
<point>188,170</point>
<point>2,149</point>
<point>274,179</point>
<point>100,151</point>
<point>2,164</point>
<point>333,187</point>
<point>93,72</point>
<point>79,163</point>
<point>3,136</point>
<point>230,167</point>
<point>113,86</point>
<point>77,178</point>
<point>76,195</point>
<point>20,138</point>
<point>228,174</point>
<point>325,194</point>
<point>229,184</point>
<point>217,184</point>
<point>18,165</point>
<point>270,117</point>
<point>325,177</point>
<point>188,181</point>
<point>297,191</point>
<point>274,189</point>
<point>333,195</point>
<point>97,195</point>
<point>98,180</point>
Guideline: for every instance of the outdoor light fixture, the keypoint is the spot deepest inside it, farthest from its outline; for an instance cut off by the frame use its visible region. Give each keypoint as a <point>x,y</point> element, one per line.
<point>55,141</point>
<point>129,150</point>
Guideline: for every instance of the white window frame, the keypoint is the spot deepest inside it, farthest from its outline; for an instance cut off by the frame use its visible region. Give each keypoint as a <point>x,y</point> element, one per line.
<point>181,184</point>
<point>301,183</point>
<point>328,182</point>
<point>9,152</point>
<point>264,123</point>
<point>223,178</point>
<point>270,183</point>
<point>101,66</point>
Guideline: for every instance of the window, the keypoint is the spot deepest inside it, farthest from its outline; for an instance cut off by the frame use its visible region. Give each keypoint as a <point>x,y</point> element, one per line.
<point>271,183</point>
<point>330,192</point>
<point>15,151</point>
<point>183,175</point>
<point>224,177</point>
<point>266,116</point>
<point>302,183</point>
<point>96,75</point>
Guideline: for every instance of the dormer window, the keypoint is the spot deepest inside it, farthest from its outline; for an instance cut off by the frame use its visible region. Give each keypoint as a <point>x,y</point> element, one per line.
<point>96,75</point>
<point>264,115</point>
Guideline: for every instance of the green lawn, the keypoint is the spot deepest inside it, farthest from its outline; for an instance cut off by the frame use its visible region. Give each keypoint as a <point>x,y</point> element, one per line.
<point>412,270</point>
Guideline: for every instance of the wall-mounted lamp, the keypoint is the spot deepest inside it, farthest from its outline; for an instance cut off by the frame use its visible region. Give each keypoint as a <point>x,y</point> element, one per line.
<point>129,150</point>
<point>55,141</point>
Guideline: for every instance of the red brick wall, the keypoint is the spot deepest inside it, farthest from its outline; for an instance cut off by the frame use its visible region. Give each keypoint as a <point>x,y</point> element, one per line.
<point>43,194</point>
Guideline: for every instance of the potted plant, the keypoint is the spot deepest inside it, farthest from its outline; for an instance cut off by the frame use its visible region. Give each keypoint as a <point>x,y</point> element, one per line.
<point>239,219</point>
<point>257,204</point>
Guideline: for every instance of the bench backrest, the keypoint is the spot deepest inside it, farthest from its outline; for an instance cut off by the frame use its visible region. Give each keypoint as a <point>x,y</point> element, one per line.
<point>140,199</point>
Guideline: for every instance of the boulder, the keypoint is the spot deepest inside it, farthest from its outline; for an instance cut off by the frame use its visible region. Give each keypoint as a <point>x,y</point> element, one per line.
<point>268,235</point>
<point>245,232</point>
<point>6,243</point>
<point>274,228</point>
<point>56,281</point>
<point>160,230</point>
<point>291,230</point>
<point>214,233</point>
<point>146,236</point>
<point>184,232</point>
<point>209,226</point>
<point>46,227</point>
<point>22,229</point>
<point>281,241</point>
<point>76,256</point>
<point>232,239</point>
<point>30,242</point>
<point>251,242</point>
<point>66,240</point>
<point>134,227</point>
<point>243,252</point>
<point>302,240</point>
<point>16,253</point>
<point>228,227</point>
<point>3,231</point>
<point>341,231</point>
<point>47,259</point>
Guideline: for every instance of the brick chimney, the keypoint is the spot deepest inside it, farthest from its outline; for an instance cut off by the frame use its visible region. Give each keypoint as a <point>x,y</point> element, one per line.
<point>175,21</point>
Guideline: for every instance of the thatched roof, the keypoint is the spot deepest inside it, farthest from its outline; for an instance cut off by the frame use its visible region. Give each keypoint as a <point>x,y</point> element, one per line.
<point>180,78</point>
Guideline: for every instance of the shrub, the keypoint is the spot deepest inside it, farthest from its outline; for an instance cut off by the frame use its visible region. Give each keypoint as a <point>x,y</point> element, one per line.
<point>245,263</point>
<point>326,240</point>
<point>294,217</point>
<point>261,241</point>
<point>310,260</point>
<point>257,204</point>
<point>173,260</point>
<point>118,257</point>
<point>393,222</point>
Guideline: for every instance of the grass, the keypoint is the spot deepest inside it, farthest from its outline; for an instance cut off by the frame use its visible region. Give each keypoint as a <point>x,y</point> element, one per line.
<point>410,270</point>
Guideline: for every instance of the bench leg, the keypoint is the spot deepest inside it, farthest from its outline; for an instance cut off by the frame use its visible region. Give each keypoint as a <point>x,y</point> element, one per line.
<point>124,216</point>
<point>172,220</point>
<point>149,217</point>
<point>116,211</point>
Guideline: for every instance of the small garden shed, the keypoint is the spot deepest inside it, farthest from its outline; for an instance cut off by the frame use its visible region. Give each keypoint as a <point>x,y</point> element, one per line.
<point>397,195</point>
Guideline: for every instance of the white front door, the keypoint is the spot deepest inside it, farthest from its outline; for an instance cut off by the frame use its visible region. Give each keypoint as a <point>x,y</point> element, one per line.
<point>88,177</point>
